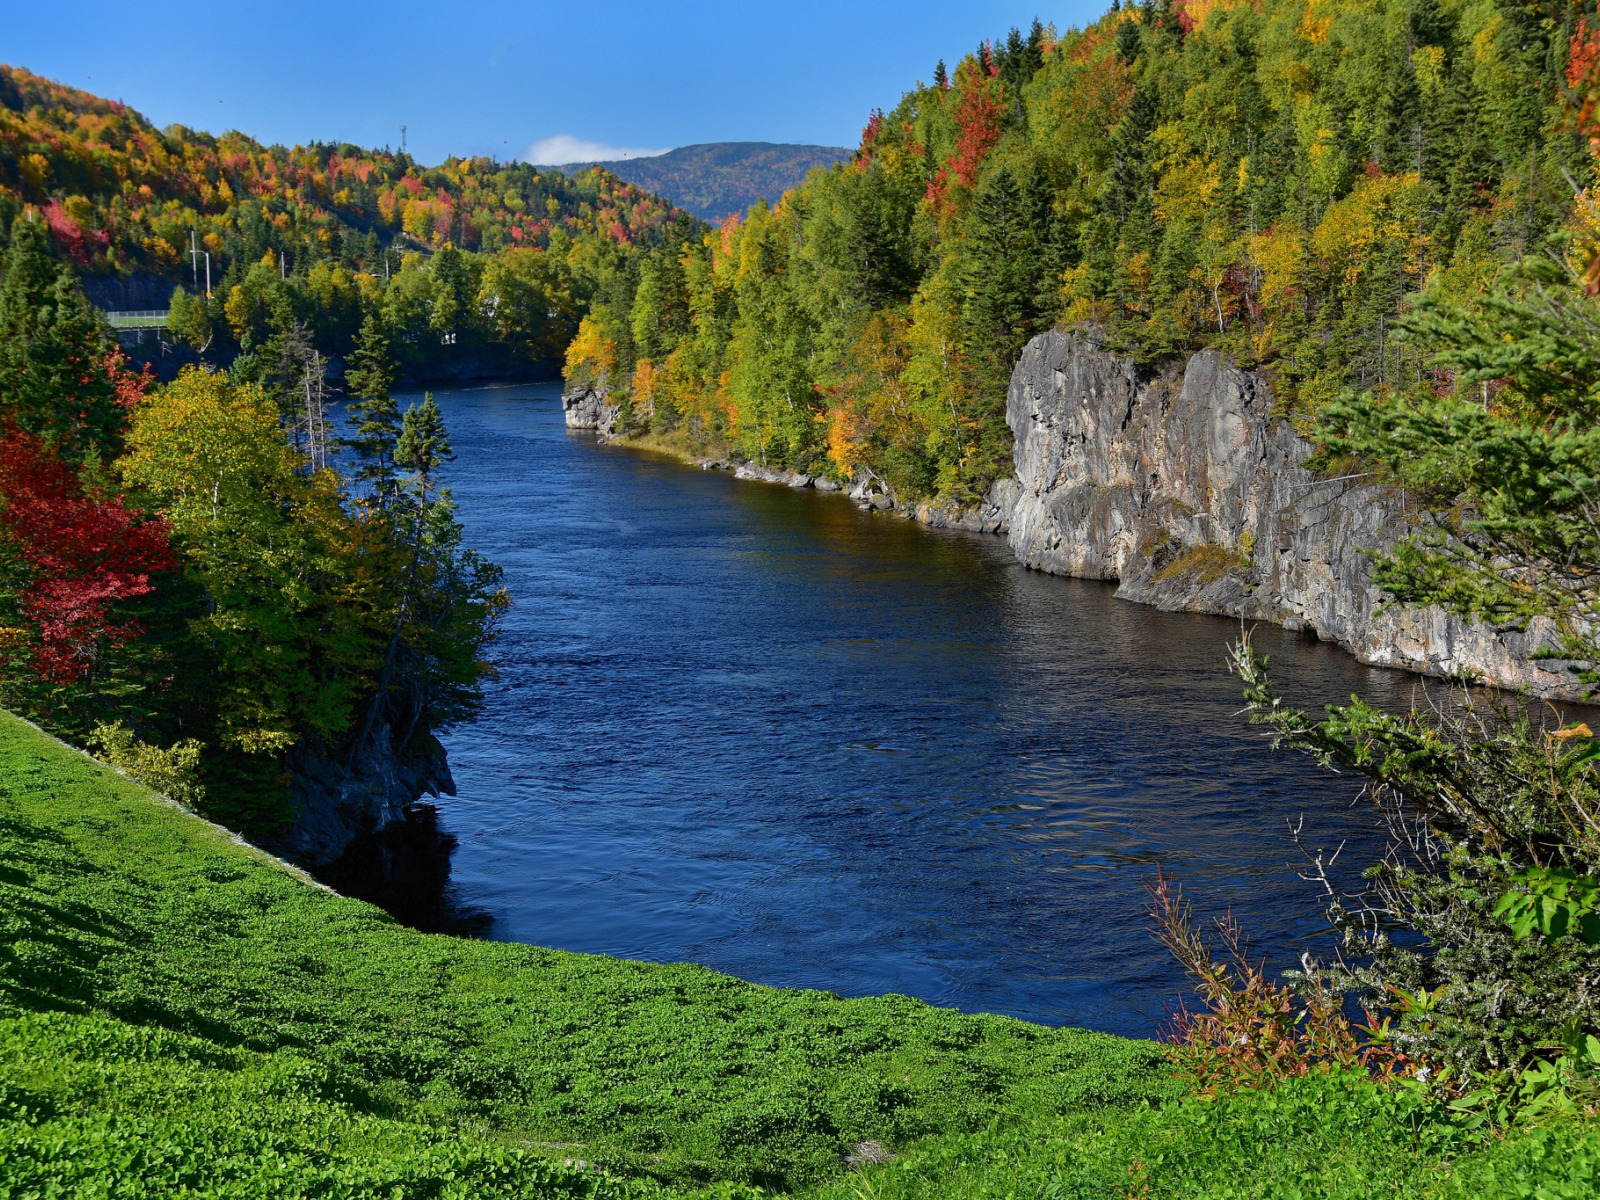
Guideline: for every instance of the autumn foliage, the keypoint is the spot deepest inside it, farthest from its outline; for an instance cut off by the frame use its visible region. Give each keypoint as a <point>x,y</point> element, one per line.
<point>1254,1032</point>
<point>119,194</point>
<point>72,553</point>
<point>979,108</point>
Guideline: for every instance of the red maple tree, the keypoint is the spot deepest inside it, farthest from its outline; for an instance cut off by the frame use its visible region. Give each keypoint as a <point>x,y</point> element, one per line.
<point>980,108</point>
<point>74,551</point>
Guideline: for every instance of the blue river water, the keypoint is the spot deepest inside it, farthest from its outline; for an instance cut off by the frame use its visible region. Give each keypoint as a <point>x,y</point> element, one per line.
<point>755,728</point>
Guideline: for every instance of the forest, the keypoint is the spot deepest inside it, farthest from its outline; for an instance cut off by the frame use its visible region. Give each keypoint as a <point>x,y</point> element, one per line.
<point>214,577</point>
<point>319,234</point>
<point>191,585</point>
<point>1276,180</point>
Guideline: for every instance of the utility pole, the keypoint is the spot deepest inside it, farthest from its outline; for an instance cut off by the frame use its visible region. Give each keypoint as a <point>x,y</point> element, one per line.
<point>208,274</point>
<point>283,272</point>
<point>194,260</point>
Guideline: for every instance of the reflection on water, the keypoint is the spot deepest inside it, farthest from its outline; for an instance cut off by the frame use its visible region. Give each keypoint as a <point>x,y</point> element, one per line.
<point>758,729</point>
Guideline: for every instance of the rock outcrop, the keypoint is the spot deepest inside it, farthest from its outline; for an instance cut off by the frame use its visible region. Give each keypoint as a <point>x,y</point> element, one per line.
<point>866,491</point>
<point>341,801</point>
<point>1183,487</point>
<point>589,406</point>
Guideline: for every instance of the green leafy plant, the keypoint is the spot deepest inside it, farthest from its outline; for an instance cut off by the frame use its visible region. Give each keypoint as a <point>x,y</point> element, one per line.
<point>1555,901</point>
<point>1474,796</point>
<point>173,771</point>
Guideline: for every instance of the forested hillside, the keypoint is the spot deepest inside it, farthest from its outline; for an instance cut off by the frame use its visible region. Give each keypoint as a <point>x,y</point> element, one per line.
<point>1275,179</point>
<point>718,179</point>
<point>215,581</point>
<point>453,256</point>
<point>189,584</point>
<point>121,194</point>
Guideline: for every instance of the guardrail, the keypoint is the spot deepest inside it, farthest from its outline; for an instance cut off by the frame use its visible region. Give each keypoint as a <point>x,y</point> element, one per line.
<point>145,318</point>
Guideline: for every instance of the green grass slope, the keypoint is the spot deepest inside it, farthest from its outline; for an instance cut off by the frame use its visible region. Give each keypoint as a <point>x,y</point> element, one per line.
<point>151,951</point>
<point>181,1016</point>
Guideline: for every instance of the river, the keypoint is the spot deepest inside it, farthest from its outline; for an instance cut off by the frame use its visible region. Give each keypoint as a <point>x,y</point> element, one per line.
<point>755,728</point>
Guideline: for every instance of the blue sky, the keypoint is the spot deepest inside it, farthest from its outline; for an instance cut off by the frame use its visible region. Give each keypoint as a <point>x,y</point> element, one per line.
<point>485,77</point>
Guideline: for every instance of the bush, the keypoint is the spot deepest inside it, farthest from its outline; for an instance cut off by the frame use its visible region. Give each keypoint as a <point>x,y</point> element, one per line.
<point>173,772</point>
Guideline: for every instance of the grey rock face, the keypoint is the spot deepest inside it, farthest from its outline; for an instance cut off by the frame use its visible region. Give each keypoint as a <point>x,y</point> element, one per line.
<point>1183,488</point>
<point>992,515</point>
<point>755,471</point>
<point>336,802</point>
<point>589,406</point>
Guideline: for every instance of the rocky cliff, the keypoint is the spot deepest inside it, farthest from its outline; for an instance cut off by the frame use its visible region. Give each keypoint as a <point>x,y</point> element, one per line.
<point>1182,486</point>
<point>589,406</point>
<point>342,801</point>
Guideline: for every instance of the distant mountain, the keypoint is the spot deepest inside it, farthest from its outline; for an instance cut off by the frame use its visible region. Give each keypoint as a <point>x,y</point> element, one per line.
<point>717,178</point>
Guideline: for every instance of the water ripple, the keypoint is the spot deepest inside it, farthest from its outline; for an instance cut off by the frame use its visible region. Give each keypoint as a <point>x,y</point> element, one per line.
<point>755,728</point>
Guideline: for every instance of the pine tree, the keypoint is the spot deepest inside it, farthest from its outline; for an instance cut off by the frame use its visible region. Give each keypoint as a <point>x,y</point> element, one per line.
<point>375,416</point>
<point>55,379</point>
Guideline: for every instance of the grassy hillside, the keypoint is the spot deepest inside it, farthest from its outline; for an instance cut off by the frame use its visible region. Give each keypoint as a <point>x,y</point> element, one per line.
<point>181,1016</point>
<point>714,179</point>
<point>121,914</point>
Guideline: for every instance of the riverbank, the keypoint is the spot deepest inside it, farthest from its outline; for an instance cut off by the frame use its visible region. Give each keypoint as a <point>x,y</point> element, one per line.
<point>590,410</point>
<point>180,1015</point>
<point>1184,485</point>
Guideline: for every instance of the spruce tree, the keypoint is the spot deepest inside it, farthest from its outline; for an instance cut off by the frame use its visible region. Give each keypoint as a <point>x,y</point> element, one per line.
<point>54,377</point>
<point>423,446</point>
<point>374,416</point>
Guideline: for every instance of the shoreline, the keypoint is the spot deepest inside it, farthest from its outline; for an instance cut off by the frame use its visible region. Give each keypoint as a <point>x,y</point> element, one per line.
<point>1182,490</point>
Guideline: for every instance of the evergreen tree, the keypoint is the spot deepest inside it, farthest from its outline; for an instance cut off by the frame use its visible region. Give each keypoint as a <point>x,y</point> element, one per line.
<point>424,445</point>
<point>660,317</point>
<point>374,416</point>
<point>1006,268</point>
<point>55,379</point>
<point>1128,41</point>
<point>1004,261</point>
<point>447,600</point>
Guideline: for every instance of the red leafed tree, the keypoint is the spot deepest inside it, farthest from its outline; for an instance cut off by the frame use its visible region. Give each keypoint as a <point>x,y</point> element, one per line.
<point>1583,50</point>
<point>127,387</point>
<point>71,237</point>
<point>980,108</point>
<point>71,551</point>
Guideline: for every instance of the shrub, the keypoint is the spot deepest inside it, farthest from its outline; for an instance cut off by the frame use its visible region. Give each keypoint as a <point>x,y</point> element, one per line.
<point>1474,797</point>
<point>174,772</point>
<point>1255,1032</point>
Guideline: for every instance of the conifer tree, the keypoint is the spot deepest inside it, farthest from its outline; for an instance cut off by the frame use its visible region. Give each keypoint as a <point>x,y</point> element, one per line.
<point>54,375</point>
<point>374,415</point>
<point>424,445</point>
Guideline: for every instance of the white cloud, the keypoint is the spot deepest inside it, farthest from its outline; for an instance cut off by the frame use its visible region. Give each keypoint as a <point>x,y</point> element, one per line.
<point>564,148</point>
